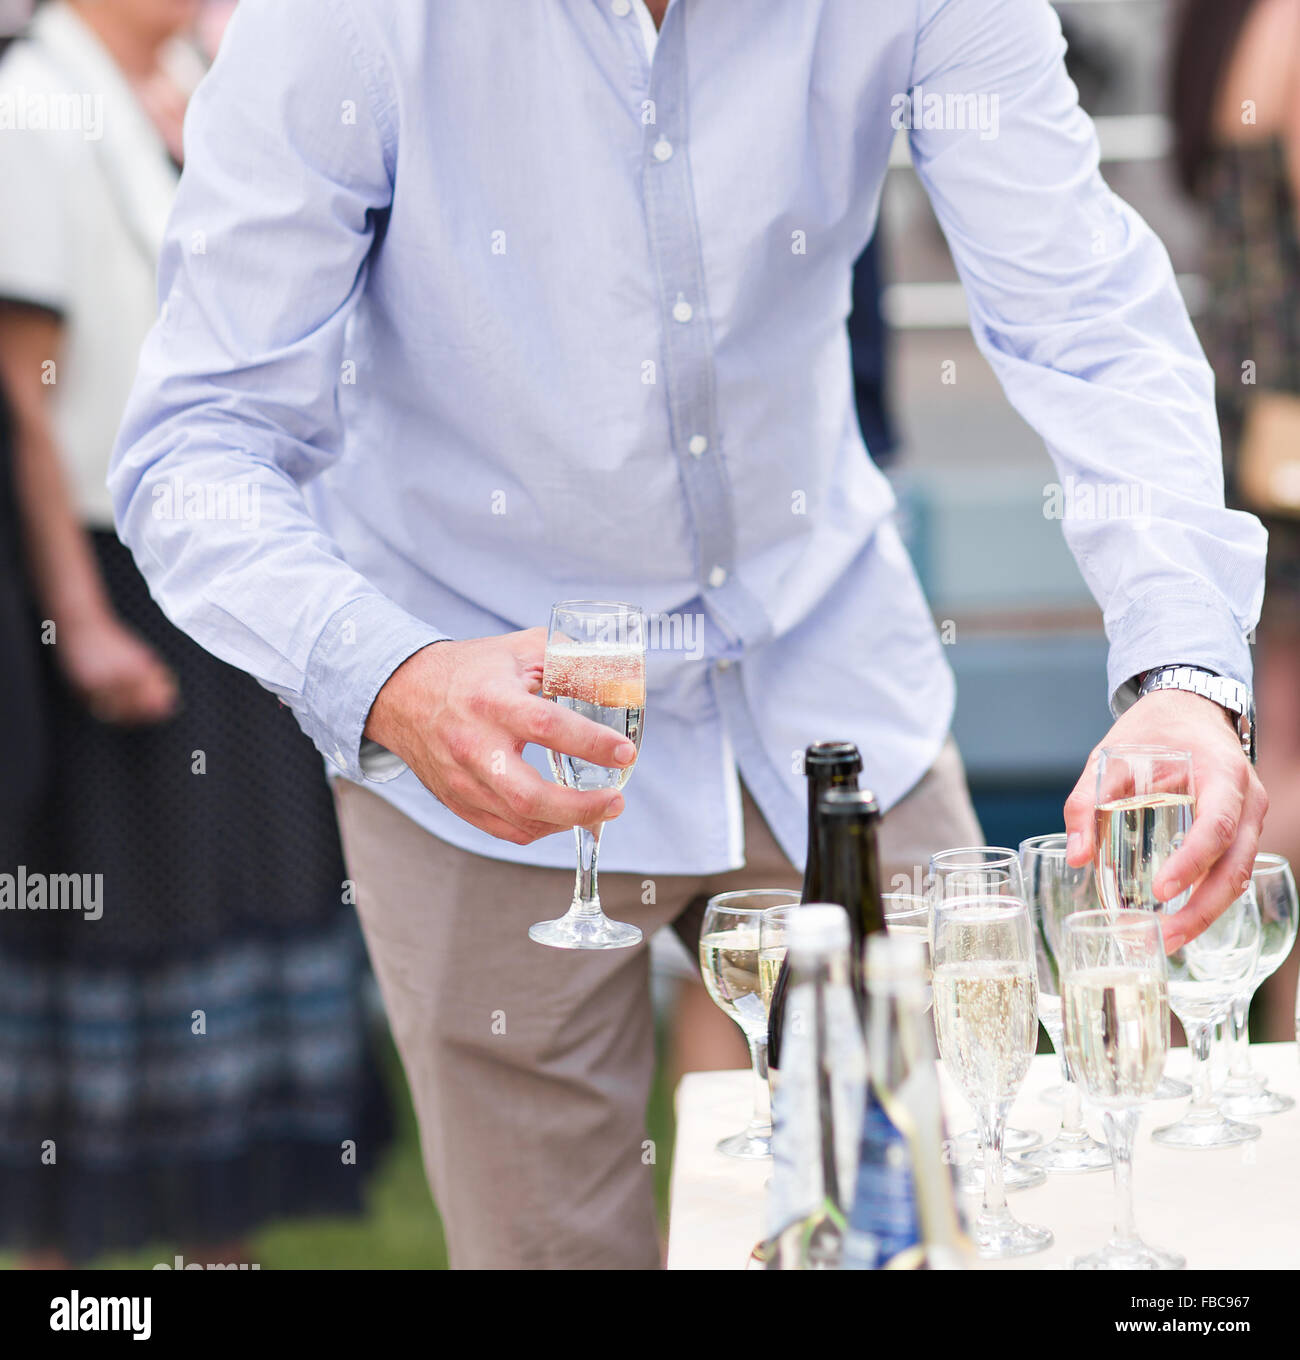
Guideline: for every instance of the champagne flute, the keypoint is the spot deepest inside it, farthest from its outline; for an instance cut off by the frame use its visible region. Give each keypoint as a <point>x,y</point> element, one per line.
<point>595,666</point>
<point>730,960</point>
<point>1116,1006</point>
<point>987,871</point>
<point>1055,891</point>
<point>908,914</point>
<point>986,1019</point>
<point>1205,976</point>
<point>1245,1093</point>
<point>1146,800</point>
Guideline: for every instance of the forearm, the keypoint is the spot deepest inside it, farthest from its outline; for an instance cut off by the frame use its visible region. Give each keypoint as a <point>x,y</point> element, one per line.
<point>65,576</point>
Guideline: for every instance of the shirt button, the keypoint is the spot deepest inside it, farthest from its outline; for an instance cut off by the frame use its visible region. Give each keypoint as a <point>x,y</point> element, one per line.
<point>663,149</point>
<point>621,7</point>
<point>698,445</point>
<point>718,577</point>
<point>724,664</point>
<point>682,310</point>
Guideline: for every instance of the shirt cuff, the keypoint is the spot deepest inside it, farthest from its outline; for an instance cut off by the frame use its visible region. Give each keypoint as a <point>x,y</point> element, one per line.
<point>1166,628</point>
<point>363,643</point>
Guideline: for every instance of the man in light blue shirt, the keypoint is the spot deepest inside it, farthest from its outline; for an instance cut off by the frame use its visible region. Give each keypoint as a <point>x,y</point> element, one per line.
<point>476,306</point>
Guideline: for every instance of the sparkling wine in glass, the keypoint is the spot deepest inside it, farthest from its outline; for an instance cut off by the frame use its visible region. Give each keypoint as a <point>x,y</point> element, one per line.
<point>731,961</point>
<point>986,1020</point>
<point>1146,800</point>
<point>1245,1094</point>
<point>985,871</point>
<point>1055,891</point>
<point>595,667</point>
<point>1116,1000</point>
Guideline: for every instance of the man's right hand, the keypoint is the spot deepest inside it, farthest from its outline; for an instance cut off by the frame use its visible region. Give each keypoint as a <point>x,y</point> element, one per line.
<point>460,714</point>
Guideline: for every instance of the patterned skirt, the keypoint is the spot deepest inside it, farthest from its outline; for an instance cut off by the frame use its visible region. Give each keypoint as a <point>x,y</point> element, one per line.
<point>184,1051</point>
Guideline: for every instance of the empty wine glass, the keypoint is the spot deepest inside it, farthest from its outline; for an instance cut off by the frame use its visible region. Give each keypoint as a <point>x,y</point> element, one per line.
<point>730,951</point>
<point>1245,1094</point>
<point>985,871</point>
<point>986,1019</point>
<point>1054,891</point>
<point>1116,1007</point>
<point>595,666</point>
<point>1205,976</point>
<point>1146,800</point>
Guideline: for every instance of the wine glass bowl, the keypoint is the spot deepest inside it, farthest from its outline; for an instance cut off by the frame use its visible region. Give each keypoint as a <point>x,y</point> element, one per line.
<point>1116,1010</point>
<point>1245,1094</point>
<point>1206,974</point>
<point>740,984</point>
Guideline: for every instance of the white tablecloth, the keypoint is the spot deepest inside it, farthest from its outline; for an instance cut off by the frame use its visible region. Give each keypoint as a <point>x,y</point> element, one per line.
<point>1235,1208</point>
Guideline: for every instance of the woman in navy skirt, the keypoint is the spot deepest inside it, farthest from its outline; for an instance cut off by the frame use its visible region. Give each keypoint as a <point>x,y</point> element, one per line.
<point>183,1041</point>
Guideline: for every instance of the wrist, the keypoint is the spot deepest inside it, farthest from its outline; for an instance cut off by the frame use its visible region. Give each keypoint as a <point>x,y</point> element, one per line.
<point>387,723</point>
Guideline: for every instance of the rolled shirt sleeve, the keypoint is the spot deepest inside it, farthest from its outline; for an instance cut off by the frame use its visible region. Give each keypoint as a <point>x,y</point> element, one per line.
<point>1074,303</point>
<point>236,404</point>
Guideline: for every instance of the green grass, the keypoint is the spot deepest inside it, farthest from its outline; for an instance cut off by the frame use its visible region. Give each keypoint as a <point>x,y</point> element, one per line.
<point>400,1230</point>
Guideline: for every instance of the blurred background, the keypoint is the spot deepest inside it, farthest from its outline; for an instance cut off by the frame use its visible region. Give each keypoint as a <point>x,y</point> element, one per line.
<point>1026,642</point>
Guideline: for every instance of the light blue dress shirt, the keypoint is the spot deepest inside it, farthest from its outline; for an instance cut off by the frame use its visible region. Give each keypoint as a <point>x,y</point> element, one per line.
<point>473,306</point>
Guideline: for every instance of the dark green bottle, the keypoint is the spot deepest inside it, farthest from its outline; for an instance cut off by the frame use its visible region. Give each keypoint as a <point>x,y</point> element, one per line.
<point>849,855</point>
<point>827,765</point>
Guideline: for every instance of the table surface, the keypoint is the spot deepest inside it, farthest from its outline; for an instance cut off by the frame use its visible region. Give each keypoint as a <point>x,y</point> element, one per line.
<point>1235,1208</point>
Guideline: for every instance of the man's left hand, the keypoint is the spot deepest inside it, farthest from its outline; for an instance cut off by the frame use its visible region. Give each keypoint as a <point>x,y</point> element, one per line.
<point>1218,853</point>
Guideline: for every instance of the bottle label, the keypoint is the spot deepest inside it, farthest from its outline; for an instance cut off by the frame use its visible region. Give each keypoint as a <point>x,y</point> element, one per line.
<point>883,1221</point>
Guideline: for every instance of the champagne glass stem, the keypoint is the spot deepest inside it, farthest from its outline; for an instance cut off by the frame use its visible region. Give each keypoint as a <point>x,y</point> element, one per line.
<point>1239,1067</point>
<point>1198,1040</point>
<point>586,900</point>
<point>761,1120</point>
<point>1121,1128</point>
<point>992,1126</point>
<point>1072,1111</point>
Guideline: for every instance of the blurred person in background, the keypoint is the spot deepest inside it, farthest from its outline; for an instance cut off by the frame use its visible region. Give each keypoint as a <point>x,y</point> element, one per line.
<point>196,1058</point>
<point>1235,96</point>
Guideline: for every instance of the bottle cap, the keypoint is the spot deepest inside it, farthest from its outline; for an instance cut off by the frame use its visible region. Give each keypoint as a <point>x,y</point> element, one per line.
<point>817,928</point>
<point>848,803</point>
<point>823,755</point>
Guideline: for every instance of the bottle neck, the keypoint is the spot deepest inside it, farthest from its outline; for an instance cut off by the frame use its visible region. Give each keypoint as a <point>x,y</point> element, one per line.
<point>821,781</point>
<point>850,877</point>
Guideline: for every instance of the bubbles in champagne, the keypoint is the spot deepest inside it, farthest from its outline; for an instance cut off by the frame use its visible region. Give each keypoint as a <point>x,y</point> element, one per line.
<point>986,1020</point>
<point>606,675</point>
<point>1116,1033</point>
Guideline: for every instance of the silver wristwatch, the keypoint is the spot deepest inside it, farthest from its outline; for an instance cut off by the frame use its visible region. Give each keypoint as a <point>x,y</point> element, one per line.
<point>1229,694</point>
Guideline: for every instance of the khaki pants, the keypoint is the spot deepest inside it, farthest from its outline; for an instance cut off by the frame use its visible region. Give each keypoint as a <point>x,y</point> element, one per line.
<point>530,1068</point>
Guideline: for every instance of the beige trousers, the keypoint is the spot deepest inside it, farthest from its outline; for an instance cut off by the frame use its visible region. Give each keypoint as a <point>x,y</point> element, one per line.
<point>529,1067</point>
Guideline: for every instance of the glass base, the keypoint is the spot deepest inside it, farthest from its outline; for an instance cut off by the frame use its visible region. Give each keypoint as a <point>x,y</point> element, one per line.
<point>1129,1256</point>
<point>1002,1236</point>
<point>1252,1104</point>
<point>585,932</point>
<point>1016,1140</point>
<point>749,1144</point>
<point>1171,1088</point>
<point>1191,1132</point>
<point>1015,1176</point>
<point>1066,1155</point>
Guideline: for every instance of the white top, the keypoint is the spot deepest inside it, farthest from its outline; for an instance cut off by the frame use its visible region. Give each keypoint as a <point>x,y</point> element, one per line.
<point>88,188</point>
